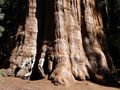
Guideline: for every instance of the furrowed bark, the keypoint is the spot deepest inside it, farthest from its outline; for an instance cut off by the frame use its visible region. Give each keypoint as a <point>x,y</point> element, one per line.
<point>23,55</point>
<point>73,44</point>
<point>77,50</point>
<point>78,58</point>
<point>59,63</point>
<point>68,52</point>
<point>94,42</point>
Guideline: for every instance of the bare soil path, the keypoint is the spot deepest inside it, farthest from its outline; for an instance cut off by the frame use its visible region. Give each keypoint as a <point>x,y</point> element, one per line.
<point>10,83</point>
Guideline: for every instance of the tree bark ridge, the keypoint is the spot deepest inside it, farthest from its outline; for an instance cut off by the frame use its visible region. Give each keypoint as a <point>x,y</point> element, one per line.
<point>23,55</point>
<point>73,42</point>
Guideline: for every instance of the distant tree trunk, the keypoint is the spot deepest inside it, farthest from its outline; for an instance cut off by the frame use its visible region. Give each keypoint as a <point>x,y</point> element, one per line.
<point>73,43</point>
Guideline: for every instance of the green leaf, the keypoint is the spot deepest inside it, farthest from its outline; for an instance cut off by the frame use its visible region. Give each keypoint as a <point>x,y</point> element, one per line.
<point>2,29</point>
<point>2,16</point>
<point>2,2</point>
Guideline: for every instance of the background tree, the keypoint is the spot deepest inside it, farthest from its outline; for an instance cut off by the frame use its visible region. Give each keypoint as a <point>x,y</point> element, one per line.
<point>2,29</point>
<point>1,17</point>
<point>113,32</point>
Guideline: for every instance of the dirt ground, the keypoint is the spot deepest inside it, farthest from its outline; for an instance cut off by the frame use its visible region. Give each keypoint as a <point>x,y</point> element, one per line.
<point>10,83</point>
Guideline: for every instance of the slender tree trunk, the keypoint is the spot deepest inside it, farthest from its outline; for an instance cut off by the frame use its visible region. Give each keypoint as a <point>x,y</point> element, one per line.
<point>73,43</point>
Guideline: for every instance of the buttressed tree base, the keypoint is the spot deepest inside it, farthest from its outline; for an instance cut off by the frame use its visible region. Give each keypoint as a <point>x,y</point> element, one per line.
<point>63,39</point>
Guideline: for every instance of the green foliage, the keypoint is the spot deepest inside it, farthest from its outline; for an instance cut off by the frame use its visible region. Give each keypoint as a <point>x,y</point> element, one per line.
<point>8,28</point>
<point>2,73</point>
<point>2,2</point>
<point>2,16</point>
<point>2,29</point>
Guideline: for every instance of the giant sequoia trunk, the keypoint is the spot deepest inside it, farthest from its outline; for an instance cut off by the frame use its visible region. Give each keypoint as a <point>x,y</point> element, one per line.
<point>72,43</point>
<point>23,55</point>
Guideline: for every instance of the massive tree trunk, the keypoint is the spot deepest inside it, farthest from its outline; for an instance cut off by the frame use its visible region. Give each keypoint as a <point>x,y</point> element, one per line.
<point>23,55</point>
<point>73,43</point>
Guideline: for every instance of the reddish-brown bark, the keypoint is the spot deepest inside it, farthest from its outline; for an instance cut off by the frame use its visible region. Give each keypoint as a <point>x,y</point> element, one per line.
<point>72,44</point>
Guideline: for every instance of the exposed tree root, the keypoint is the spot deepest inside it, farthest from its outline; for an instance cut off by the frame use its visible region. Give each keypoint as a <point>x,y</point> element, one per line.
<point>21,65</point>
<point>62,75</point>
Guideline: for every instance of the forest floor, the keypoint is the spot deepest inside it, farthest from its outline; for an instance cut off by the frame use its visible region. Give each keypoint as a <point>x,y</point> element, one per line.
<point>10,83</point>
